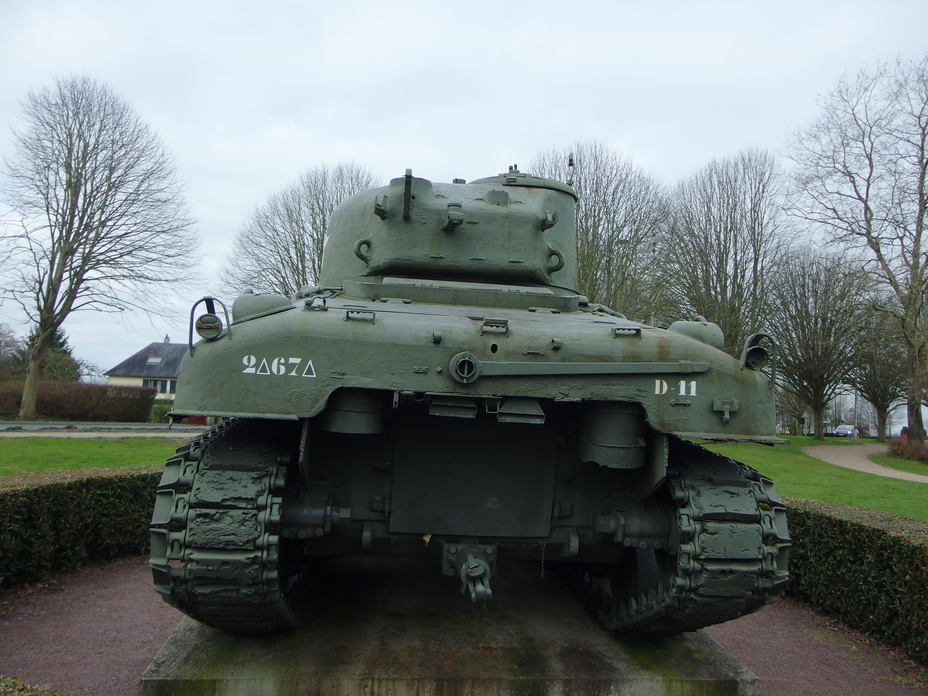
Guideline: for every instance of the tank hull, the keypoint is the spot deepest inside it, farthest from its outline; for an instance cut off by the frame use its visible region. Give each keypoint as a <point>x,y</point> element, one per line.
<point>287,365</point>
<point>453,398</point>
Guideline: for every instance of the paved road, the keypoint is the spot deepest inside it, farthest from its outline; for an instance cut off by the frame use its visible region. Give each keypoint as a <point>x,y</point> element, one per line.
<point>173,434</point>
<point>45,427</point>
<point>178,432</point>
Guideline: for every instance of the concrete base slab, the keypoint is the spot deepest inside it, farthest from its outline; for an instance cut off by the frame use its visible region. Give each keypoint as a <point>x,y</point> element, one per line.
<point>382,627</point>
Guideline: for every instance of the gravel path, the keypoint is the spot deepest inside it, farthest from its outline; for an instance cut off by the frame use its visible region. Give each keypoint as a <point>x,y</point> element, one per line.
<point>93,633</point>
<point>856,457</point>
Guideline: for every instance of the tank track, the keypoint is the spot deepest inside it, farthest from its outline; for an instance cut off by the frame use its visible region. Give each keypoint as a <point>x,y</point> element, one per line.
<point>214,551</point>
<point>731,557</point>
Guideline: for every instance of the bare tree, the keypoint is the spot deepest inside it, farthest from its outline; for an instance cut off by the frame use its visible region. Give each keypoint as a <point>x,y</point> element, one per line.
<point>723,241</point>
<point>618,215</point>
<point>880,374</point>
<point>863,174</point>
<point>103,217</point>
<point>791,412</point>
<point>279,249</point>
<point>818,307</point>
<point>11,347</point>
<point>866,414</point>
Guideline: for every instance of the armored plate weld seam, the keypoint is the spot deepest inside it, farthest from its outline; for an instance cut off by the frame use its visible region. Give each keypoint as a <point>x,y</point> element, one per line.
<point>728,517</point>
<point>221,558</point>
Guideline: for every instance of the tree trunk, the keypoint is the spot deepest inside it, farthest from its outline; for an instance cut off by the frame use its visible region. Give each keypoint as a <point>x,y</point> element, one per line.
<point>882,417</point>
<point>818,420</point>
<point>31,386</point>
<point>916,424</point>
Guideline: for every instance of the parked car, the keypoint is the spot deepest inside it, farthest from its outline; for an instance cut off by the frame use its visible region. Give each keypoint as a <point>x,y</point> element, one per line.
<point>846,431</point>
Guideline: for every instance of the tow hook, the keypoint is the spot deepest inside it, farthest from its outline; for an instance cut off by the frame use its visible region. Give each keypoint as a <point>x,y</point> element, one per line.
<point>473,564</point>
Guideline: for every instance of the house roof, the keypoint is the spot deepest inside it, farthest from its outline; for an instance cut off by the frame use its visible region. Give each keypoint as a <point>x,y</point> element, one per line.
<point>157,360</point>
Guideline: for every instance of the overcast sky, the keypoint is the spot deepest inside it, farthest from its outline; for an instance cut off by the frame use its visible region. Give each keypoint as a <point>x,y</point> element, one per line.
<point>246,98</point>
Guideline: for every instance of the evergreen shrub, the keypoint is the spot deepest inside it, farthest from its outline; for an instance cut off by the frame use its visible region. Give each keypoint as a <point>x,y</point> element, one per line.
<point>868,568</point>
<point>160,410</point>
<point>10,686</point>
<point>11,396</point>
<point>56,522</point>
<point>79,401</point>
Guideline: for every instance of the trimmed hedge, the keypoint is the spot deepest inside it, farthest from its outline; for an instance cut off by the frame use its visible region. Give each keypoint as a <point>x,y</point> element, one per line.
<point>81,402</point>
<point>868,568</point>
<point>55,523</point>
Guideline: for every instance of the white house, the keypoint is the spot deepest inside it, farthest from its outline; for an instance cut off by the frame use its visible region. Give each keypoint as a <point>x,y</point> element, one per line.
<point>157,365</point>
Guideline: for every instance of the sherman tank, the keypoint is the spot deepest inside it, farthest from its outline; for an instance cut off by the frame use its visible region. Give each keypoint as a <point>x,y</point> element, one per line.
<point>446,391</point>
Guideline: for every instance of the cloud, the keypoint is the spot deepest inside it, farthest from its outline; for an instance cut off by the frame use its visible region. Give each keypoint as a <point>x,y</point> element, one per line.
<point>248,96</point>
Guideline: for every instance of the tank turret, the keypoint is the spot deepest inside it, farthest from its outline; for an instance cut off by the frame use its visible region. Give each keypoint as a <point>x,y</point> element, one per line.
<point>512,228</point>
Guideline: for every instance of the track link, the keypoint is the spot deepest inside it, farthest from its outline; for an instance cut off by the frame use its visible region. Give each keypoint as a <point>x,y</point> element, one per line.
<point>215,553</point>
<point>731,555</point>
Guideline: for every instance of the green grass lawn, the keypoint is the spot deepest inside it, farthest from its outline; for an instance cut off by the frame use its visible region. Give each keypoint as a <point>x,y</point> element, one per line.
<point>26,454</point>
<point>797,475</point>
<point>909,465</point>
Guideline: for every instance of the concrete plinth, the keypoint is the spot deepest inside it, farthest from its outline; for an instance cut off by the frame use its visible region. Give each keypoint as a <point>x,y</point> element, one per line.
<point>379,627</point>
